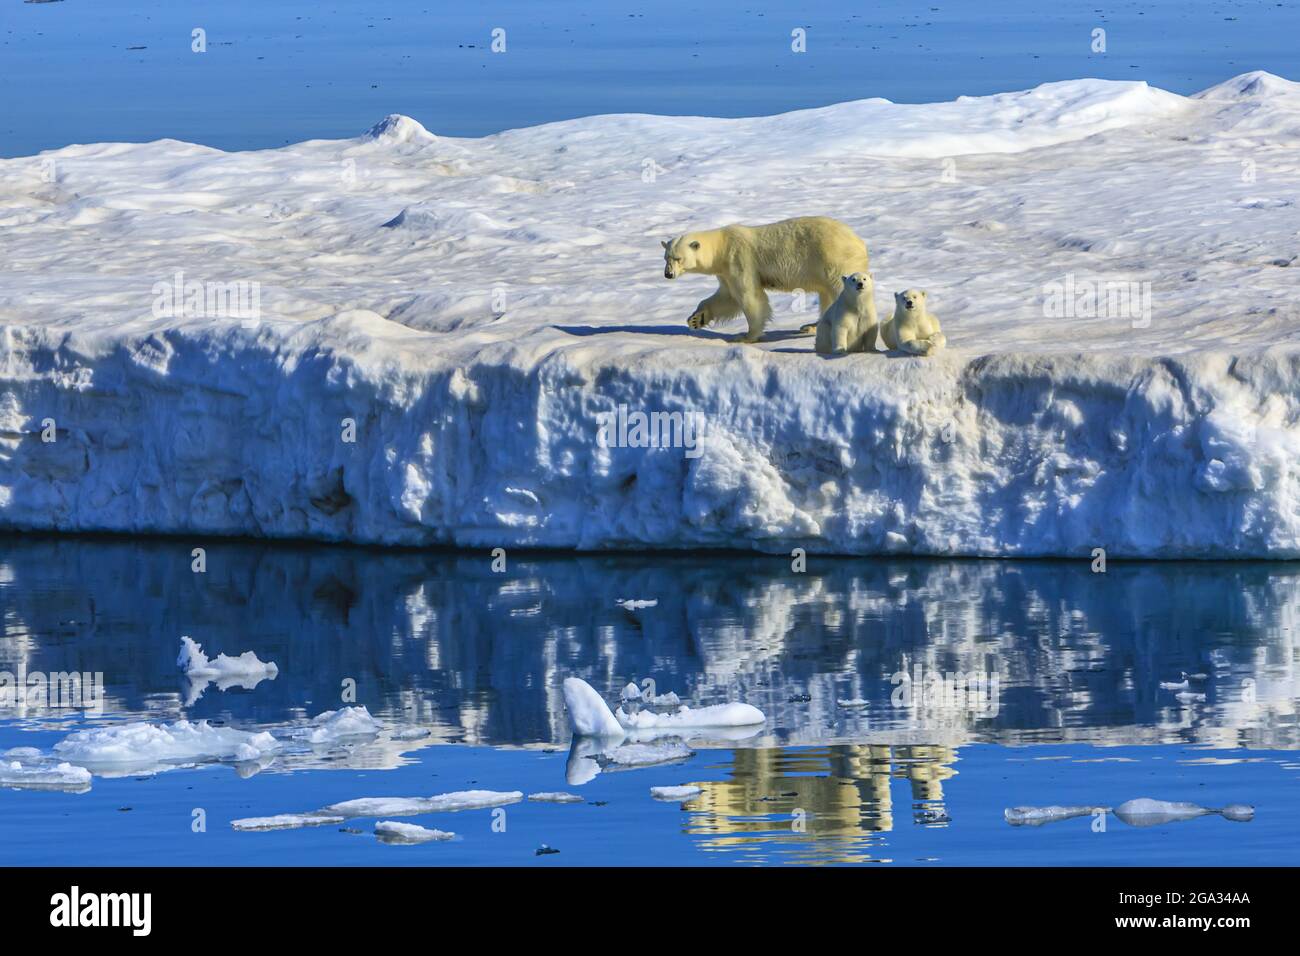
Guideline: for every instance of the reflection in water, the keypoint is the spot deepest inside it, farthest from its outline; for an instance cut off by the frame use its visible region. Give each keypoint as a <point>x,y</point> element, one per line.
<point>442,642</point>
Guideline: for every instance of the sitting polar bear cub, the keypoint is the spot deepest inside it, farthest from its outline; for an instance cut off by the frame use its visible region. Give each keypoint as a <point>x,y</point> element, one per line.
<point>912,328</point>
<point>811,253</point>
<point>850,324</point>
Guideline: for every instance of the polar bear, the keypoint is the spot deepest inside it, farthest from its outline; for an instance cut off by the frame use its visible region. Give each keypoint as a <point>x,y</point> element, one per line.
<point>912,328</point>
<point>850,324</point>
<point>812,253</point>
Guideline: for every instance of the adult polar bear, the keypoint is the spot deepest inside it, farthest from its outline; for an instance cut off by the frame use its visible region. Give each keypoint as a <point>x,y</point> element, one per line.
<point>812,253</point>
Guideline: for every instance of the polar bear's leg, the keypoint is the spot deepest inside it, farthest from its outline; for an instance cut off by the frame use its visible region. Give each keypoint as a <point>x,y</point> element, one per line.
<point>868,326</point>
<point>758,312</point>
<point>716,308</point>
<point>824,302</point>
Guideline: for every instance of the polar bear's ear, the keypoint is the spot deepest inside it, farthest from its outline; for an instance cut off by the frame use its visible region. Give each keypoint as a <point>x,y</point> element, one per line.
<point>695,244</point>
<point>664,243</point>
<point>898,296</point>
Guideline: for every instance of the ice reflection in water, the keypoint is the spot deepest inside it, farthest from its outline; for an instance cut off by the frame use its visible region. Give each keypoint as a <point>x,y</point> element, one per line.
<point>442,642</point>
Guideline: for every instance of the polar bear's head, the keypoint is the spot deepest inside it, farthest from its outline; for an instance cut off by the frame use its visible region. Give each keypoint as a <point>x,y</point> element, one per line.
<point>910,300</point>
<point>683,254</point>
<point>859,284</point>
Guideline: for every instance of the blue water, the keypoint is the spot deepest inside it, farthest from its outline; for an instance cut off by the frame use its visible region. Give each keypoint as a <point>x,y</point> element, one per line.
<point>477,658</point>
<point>282,72</point>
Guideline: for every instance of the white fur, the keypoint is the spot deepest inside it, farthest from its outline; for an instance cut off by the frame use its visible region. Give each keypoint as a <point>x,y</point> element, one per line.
<point>850,324</point>
<point>912,328</point>
<point>812,253</point>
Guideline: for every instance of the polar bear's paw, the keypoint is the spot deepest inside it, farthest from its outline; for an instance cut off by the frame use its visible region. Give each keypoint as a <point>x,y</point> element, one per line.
<point>744,338</point>
<point>698,320</point>
<point>809,329</point>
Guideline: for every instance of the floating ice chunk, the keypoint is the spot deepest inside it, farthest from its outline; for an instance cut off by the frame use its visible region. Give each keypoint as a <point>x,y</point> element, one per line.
<point>591,716</point>
<point>588,713</point>
<point>1037,816</point>
<point>243,671</point>
<point>194,664</point>
<point>287,821</point>
<point>1146,812</point>
<point>63,776</point>
<point>557,797</point>
<point>22,753</point>
<point>718,715</point>
<point>410,733</point>
<point>409,806</point>
<point>855,702</point>
<point>150,748</point>
<point>1190,697</point>
<point>675,794</point>
<point>632,604</point>
<point>335,725</point>
<point>408,834</point>
<point>631,692</point>
<point>644,755</point>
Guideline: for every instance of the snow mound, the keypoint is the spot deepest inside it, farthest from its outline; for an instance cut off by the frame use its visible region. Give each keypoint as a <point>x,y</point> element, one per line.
<point>396,128</point>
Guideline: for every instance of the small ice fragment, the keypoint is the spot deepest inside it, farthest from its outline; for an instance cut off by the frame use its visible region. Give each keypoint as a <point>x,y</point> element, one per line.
<point>286,821</point>
<point>1146,812</point>
<point>632,604</point>
<point>631,692</point>
<point>334,725</point>
<point>408,834</point>
<point>194,664</point>
<point>1190,697</point>
<point>409,806</point>
<point>1037,816</point>
<point>676,794</point>
<point>63,777</point>
<point>410,733</point>
<point>557,797</point>
<point>855,702</point>
<point>644,755</point>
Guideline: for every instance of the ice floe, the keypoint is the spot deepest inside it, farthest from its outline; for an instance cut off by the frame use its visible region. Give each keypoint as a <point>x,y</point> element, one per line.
<point>410,806</point>
<point>675,793</point>
<point>556,797</point>
<point>245,671</point>
<point>390,831</point>
<point>287,821</point>
<point>1027,436</point>
<point>63,776</point>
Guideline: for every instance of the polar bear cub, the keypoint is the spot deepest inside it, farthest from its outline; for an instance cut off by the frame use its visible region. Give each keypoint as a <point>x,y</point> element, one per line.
<point>809,253</point>
<point>850,324</point>
<point>912,328</point>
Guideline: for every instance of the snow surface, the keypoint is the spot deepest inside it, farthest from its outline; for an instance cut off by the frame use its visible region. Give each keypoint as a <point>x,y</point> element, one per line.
<point>475,306</point>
